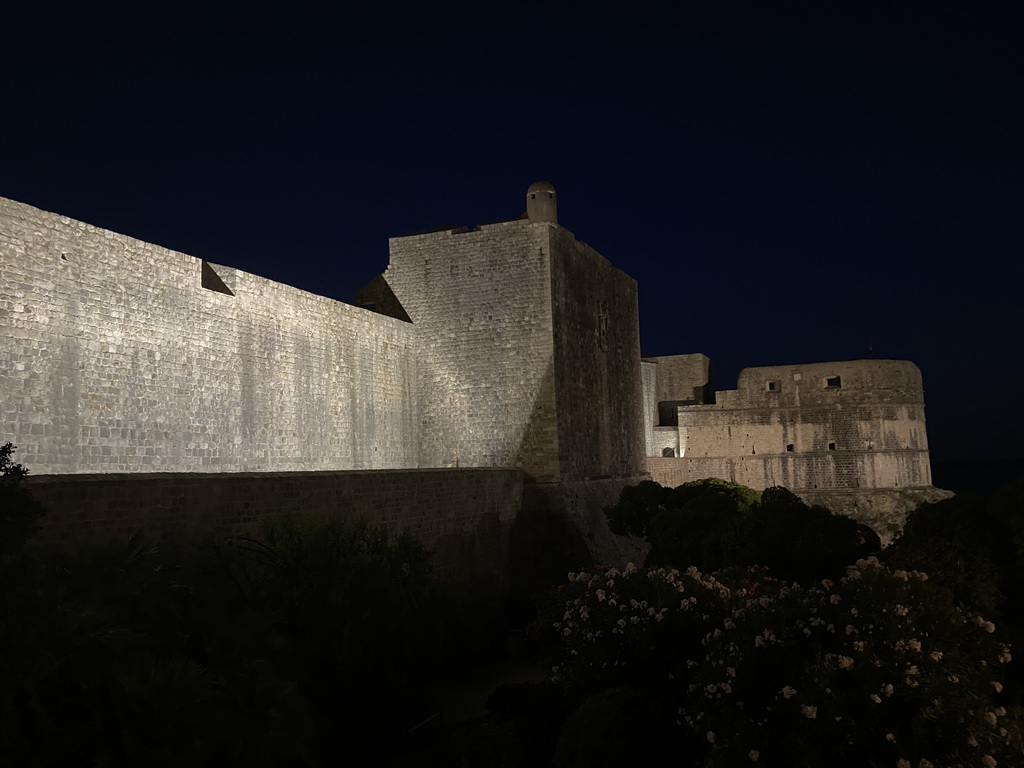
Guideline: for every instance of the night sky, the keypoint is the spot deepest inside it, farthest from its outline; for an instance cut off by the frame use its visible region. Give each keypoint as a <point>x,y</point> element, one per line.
<point>788,183</point>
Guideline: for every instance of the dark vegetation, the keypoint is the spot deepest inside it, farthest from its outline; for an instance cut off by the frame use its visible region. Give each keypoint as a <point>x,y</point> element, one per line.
<point>973,546</point>
<point>318,643</point>
<point>310,643</point>
<point>714,524</point>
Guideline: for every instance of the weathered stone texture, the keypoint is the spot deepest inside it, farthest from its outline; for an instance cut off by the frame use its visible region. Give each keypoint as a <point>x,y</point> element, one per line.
<point>885,511</point>
<point>510,345</point>
<point>463,516</point>
<point>480,302</point>
<point>844,425</point>
<point>528,343</point>
<point>683,379</point>
<point>599,393</point>
<point>115,358</point>
<point>649,383</point>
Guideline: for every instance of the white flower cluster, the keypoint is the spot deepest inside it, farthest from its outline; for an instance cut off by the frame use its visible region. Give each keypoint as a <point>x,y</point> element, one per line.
<point>869,633</point>
<point>988,626</point>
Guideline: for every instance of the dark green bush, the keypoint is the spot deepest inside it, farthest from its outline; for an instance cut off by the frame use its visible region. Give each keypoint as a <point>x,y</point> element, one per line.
<point>973,545</point>
<point>19,511</point>
<point>307,642</point>
<point>620,726</point>
<point>877,668</point>
<point>713,524</point>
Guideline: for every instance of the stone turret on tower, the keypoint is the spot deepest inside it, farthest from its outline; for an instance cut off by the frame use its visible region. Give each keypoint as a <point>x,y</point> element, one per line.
<point>541,203</point>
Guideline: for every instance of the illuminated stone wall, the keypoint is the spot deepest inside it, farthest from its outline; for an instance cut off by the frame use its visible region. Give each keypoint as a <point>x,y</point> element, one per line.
<point>480,302</point>
<point>842,425</point>
<point>529,349</point>
<point>683,379</point>
<point>649,382</point>
<point>509,345</point>
<point>114,357</point>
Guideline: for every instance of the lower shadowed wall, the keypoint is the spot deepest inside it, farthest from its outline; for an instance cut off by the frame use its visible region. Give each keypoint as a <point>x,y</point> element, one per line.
<point>463,516</point>
<point>884,509</point>
<point>822,471</point>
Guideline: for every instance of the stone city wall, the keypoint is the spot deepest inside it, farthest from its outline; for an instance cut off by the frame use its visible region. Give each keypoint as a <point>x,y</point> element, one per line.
<point>599,393</point>
<point>844,383</point>
<point>480,301</point>
<point>649,382</point>
<point>122,356</point>
<point>683,378</point>
<point>758,431</point>
<point>831,471</point>
<point>842,425</point>
<point>463,516</point>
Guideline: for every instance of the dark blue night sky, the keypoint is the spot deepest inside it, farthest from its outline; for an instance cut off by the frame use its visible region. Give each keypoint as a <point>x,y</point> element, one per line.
<point>787,183</point>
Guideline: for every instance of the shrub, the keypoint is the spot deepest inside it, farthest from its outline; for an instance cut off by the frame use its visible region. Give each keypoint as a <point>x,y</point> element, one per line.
<point>616,638</point>
<point>876,668</point>
<point>612,627</point>
<point>140,660</point>
<point>713,524</point>
<point>230,653</point>
<point>973,544</point>
<point>19,511</point>
<point>796,541</point>
<point>356,609</point>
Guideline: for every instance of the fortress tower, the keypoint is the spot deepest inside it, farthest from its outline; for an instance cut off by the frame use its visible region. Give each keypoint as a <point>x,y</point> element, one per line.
<point>511,346</point>
<point>849,435</point>
<point>528,347</point>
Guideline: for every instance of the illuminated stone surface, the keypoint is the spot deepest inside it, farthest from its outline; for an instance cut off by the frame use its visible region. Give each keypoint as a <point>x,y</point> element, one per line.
<point>509,345</point>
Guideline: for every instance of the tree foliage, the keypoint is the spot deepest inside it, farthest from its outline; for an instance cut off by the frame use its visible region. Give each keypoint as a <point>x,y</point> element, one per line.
<point>304,642</point>
<point>973,545</point>
<point>19,511</point>
<point>878,668</point>
<point>714,524</point>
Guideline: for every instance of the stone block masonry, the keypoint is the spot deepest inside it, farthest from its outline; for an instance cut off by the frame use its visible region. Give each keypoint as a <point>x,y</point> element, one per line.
<point>599,393</point>
<point>122,356</point>
<point>822,426</point>
<point>464,516</point>
<point>848,435</point>
<point>510,345</point>
<point>528,342</point>
<point>480,302</point>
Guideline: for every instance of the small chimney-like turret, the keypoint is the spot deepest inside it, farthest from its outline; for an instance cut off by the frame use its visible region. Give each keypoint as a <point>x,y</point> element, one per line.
<point>541,203</point>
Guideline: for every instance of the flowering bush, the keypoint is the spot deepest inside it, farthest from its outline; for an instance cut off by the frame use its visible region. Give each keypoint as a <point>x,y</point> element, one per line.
<point>974,546</point>
<point>612,626</point>
<point>879,668</point>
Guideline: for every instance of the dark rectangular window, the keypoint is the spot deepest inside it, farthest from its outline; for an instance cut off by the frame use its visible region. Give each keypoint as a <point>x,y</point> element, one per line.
<point>833,381</point>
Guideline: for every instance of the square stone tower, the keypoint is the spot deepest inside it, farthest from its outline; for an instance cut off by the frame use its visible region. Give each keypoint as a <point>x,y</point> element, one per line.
<point>529,347</point>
